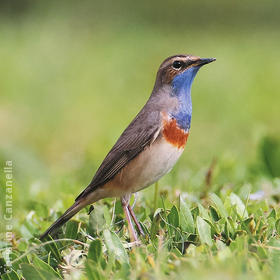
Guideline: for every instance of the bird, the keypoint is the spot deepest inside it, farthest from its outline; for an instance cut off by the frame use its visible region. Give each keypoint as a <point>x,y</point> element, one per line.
<point>150,145</point>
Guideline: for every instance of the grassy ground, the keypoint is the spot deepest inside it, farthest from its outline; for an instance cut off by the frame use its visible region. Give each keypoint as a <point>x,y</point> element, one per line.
<point>67,93</point>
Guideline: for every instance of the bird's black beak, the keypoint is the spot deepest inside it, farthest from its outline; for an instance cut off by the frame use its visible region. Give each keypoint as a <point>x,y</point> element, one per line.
<point>203,61</point>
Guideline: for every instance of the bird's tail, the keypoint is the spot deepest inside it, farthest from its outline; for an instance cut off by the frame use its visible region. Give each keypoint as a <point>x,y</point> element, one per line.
<point>68,214</point>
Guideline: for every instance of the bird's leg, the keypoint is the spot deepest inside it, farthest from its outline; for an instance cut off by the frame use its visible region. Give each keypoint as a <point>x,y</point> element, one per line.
<point>135,220</point>
<point>125,205</point>
<point>130,208</point>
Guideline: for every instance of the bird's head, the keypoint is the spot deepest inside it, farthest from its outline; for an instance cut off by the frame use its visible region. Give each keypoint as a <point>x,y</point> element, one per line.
<point>174,78</point>
<point>179,71</point>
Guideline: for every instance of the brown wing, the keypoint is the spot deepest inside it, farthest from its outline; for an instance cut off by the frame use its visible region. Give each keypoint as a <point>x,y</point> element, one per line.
<point>141,132</point>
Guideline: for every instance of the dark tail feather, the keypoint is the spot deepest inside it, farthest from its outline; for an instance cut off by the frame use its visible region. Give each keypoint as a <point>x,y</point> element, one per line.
<point>68,214</point>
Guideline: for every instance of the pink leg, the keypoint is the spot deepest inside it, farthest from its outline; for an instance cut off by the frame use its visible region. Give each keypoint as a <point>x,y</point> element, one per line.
<point>132,233</point>
<point>135,220</point>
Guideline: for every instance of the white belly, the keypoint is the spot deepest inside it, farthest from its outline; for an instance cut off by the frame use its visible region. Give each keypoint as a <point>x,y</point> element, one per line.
<point>154,162</point>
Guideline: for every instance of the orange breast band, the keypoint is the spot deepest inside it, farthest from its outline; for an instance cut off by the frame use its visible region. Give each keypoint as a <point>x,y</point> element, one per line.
<point>173,134</point>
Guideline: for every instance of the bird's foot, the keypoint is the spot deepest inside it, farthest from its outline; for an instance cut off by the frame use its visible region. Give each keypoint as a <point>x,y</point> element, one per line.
<point>132,244</point>
<point>135,220</point>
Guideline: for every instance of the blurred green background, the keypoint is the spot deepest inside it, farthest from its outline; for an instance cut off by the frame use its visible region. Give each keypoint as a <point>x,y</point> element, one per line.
<point>73,74</point>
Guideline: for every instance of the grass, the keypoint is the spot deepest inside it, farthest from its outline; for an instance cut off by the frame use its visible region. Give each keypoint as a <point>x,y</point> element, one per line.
<point>67,93</point>
<point>219,235</point>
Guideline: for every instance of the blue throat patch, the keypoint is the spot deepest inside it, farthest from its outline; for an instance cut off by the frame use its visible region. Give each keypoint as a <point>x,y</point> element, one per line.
<point>181,85</point>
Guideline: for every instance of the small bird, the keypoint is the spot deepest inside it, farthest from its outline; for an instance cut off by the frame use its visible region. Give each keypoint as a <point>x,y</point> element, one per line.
<point>151,144</point>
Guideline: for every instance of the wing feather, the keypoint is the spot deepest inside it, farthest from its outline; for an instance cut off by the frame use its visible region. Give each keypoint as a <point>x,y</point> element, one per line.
<point>141,132</point>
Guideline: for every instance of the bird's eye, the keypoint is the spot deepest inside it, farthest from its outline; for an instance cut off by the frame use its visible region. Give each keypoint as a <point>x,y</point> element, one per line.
<point>177,64</point>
